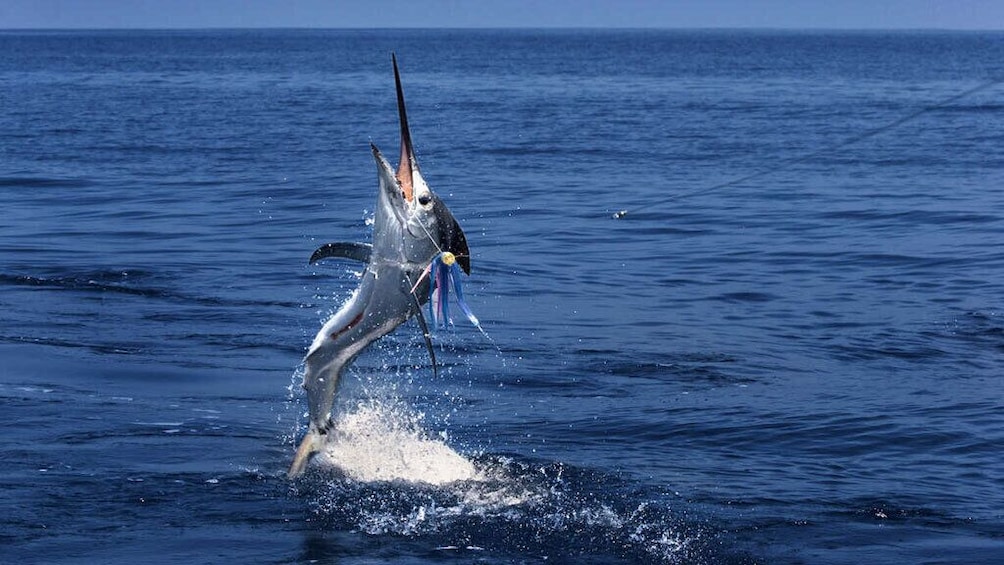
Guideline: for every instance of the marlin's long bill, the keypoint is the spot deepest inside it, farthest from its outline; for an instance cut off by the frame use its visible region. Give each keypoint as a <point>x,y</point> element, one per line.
<point>411,227</point>
<point>408,161</point>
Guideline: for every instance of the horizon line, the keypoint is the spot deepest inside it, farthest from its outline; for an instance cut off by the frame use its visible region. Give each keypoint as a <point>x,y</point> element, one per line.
<point>506,28</point>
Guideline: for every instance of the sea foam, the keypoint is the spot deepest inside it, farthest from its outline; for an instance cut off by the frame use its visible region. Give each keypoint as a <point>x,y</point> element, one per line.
<point>380,441</point>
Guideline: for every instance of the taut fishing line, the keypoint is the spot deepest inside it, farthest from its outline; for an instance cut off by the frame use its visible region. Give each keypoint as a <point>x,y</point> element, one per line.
<point>784,164</point>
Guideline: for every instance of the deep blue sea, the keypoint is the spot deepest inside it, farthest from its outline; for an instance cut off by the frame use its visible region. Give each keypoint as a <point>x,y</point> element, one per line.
<point>803,367</point>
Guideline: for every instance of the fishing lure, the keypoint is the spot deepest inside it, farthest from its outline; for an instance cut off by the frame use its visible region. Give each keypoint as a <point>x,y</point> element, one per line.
<point>445,273</point>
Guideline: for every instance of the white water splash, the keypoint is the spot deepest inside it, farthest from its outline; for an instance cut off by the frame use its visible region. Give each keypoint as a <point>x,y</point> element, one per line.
<point>381,442</point>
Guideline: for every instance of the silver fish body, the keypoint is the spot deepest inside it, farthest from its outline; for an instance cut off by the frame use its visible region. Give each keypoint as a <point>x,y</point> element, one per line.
<point>411,227</point>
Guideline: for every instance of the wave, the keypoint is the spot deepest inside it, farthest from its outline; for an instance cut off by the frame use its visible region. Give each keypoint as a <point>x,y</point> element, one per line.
<point>43,182</point>
<point>124,282</point>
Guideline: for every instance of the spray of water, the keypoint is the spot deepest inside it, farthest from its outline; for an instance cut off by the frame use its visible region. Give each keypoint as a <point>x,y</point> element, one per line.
<point>383,440</point>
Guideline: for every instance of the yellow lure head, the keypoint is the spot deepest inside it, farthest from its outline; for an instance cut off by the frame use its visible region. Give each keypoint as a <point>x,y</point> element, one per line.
<point>448,258</point>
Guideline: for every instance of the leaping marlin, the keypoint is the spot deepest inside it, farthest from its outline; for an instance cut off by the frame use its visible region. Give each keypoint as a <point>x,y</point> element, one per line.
<point>411,228</point>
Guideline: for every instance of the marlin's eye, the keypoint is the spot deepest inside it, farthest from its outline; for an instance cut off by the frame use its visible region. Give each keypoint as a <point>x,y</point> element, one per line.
<point>424,199</point>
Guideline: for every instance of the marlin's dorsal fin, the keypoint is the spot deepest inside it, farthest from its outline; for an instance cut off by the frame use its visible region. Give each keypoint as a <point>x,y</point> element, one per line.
<point>346,250</point>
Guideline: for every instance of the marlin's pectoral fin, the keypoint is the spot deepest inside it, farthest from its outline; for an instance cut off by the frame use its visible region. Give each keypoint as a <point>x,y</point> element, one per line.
<point>346,250</point>
<point>426,334</point>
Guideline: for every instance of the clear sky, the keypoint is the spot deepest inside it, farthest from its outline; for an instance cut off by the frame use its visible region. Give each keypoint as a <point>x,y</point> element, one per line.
<point>826,14</point>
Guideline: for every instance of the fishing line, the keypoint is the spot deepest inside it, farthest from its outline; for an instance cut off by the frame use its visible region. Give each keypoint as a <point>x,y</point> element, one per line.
<point>784,164</point>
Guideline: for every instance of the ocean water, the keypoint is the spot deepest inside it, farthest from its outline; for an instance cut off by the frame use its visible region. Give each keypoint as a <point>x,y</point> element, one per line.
<point>803,367</point>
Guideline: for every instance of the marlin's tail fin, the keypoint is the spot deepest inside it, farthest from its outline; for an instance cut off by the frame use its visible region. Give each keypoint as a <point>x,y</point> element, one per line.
<point>311,444</point>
